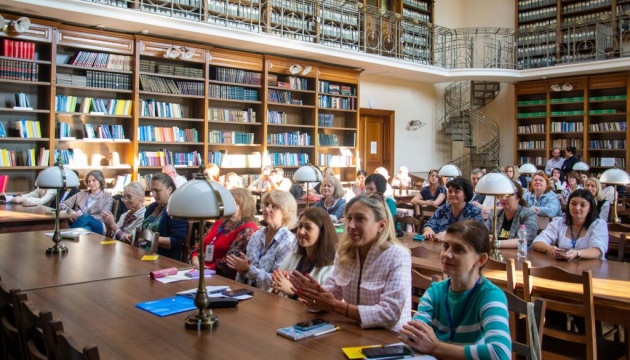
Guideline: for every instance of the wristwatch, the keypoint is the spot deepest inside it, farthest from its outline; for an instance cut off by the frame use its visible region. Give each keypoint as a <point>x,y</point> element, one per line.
<point>578,254</point>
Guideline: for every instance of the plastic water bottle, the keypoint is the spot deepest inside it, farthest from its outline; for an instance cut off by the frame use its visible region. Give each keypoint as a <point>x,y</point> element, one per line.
<point>522,243</point>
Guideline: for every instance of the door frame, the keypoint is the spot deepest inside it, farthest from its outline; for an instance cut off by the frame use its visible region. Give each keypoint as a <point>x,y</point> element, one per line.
<point>389,126</point>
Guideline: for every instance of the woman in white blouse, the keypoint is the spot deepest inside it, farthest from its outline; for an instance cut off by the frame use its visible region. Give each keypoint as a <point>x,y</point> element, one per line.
<point>580,234</point>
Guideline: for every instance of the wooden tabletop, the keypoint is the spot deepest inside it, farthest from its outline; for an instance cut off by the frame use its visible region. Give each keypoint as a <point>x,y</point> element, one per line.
<point>104,313</point>
<point>611,279</point>
<point>16,218</point>
<point>25,265</point>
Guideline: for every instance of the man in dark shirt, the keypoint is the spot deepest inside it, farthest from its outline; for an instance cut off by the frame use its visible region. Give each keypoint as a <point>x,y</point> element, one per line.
<point>570,160</point>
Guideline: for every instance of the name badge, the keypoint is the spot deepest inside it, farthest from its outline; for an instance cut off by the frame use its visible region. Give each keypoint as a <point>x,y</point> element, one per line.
<point>209,253</point>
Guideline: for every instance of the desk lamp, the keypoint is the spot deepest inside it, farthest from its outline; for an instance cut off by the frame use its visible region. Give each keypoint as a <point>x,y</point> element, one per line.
<point>307,174</point>
<point>450,170</point>
<point>498,185</point>
<point>528,169</point>
<point>580,167</point>
<point>59,178</point>
<point>201,199</point>
<point>615,176</point>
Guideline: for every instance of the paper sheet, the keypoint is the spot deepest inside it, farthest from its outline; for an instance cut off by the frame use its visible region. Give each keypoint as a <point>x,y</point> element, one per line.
<point>181,276</point>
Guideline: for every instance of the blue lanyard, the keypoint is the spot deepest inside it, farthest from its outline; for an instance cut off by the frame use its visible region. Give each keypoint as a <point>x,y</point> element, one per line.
<point>265,249</point>
<point>221,229</point>
<point>573,238</point>
<point>452,325</point>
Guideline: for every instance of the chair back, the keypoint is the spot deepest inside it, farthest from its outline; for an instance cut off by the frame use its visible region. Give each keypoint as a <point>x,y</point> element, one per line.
<point>619,243</point>
<point>36,332</point>
<point>518,308</point>
<point>13,346</point>
<point>543,221</point>
<point>193,227</point>
<point>583,307</point>
<point>143,236</point>
<point>68,349</point>
<point>405,221</point>
<point>508,266</point>
<point>423,252</point>
<point>428,211</point>
<point>419,284</point>
<point>115,206</point>
<point>618,227</point>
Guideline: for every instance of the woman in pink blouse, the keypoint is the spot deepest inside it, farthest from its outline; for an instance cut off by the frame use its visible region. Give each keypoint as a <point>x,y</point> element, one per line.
<point>370,282</point>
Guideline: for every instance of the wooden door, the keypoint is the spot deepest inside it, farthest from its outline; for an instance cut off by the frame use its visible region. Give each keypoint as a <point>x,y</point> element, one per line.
<point>376,140</point>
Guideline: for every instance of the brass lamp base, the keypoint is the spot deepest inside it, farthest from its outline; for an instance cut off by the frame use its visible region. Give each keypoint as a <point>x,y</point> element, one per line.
<point>202,321</point>
<point>496,255</point>
<point>57,249</point>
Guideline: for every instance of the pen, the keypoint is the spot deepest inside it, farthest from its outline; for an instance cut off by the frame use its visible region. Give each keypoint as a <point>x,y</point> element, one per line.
<point>328,331</point>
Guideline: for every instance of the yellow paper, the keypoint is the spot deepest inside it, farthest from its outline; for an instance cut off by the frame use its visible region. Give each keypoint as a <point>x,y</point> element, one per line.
<point>150,257</point>
<point>108,242</point>
<point>355,352</point>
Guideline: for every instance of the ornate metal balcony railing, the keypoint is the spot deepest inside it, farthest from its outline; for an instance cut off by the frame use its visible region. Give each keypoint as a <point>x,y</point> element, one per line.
<point>350,25</point>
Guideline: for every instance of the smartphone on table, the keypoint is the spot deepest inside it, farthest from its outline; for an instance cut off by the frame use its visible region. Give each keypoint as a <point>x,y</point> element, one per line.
<point>238,292</point>
<point>395,351</point>
<point>310,324</point>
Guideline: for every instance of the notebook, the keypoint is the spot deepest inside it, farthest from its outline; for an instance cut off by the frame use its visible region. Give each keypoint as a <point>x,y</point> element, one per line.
<point>168,306</point>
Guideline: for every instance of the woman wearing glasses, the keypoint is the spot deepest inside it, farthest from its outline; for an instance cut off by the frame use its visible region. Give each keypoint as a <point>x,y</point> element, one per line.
<point>370,281</point>
<point>433,194</point>
<point>458,208</point>
<point>541,197</point>
<point>125,228</point>
<point>513,213</point>
<point>466,316</point>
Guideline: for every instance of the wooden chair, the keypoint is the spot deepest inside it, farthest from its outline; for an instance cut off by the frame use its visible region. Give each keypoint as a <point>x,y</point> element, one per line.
<point>518,310</point>
<point>424,253</point>
<point>619,243</point>
<point>405,221</point>
<point>191,236</point>
<point>9,322</point>
<point>509,267</point>
<point>419,284</point>
<point>147,235</point>
<point>115,206</point>
<point>428,211</point>
<point>67,349</point>
<point>39,340</point>
<point>618,227</point>
<point>563,344</point>
<point>543,221</point>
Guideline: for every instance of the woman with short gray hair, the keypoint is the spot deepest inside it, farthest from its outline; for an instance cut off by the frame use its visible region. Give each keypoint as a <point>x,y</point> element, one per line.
<point>125,228</point>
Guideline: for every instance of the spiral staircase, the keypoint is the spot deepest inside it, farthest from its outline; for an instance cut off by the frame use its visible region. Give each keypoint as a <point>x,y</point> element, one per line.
<point>464,121</point>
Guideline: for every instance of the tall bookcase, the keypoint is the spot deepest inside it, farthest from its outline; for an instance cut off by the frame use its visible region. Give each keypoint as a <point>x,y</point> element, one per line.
<point>588,112</point>
<point>25,70</point>
<point>132,103</point>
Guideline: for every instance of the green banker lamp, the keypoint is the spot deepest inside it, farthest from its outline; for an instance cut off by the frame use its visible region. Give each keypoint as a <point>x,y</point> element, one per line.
<point>201,199</point>
<point>59,178</point>
<point>498,185</point>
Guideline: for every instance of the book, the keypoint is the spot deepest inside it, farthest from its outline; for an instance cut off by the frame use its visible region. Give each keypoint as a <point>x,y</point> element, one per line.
<point>209,289</point>
<point>168,306</point>
<point>291,332</point>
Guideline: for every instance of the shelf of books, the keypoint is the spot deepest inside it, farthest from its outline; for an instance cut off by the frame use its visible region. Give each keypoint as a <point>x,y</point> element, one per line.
<point>171,115</point>
<point>416,31</point>
<point>25,100</point>
<point>567,110</point>
<point>337,120</point>
<point>531,123</point>
<point>607,121</point>
<point>235,112</point>
<point>93,105</point>
<point>290,19</point>
<point>291,111</point>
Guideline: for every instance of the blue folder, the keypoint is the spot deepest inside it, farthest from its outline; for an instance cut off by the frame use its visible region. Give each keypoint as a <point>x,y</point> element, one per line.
<point>168,306</point>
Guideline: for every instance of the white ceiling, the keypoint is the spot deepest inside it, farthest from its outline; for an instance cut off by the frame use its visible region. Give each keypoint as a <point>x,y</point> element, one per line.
<point>112,18</point>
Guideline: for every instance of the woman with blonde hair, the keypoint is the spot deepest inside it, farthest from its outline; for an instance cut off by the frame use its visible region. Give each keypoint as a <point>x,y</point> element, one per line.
<point>512,172</point>
<point>332,200</point>
<point>370,282</point>
<point>269,246</point>
<point>593,185</point>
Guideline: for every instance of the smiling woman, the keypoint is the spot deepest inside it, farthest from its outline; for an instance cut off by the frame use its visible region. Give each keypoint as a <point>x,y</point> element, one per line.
<point>466,316</point>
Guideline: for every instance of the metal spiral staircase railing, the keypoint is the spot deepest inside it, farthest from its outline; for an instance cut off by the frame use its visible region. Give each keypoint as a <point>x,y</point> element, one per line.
<point>464,122</point>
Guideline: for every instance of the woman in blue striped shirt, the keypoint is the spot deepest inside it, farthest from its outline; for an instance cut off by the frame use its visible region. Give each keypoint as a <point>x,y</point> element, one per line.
<point>465,316</point>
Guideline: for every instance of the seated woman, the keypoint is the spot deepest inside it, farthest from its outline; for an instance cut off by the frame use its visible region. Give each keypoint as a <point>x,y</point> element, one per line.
<point>315,190</point>
<point>233,181</point>
<point>513,213</point>
<point>85,207</point>
<point>172,231</point>
<point>434,194</point>
<point>595,187</point>
<point>574,182</point>
<point>458,208</point>
<point>332,200</point>
<point>402,179</point>
<point>278,181</point>
<point>269,246</point>
<point>125,228</point>
<point>229,236</point>
<point>314,253</point>
<point>377,184</point>
<point>466,316</point>
<point>371,279</point>
<point>540,198</point>
<point>556,183</point>
<point>263,183</point>
<point>512,172</point>
<point>580,234</point>
<point>359,185</point>
<point>212,171</point>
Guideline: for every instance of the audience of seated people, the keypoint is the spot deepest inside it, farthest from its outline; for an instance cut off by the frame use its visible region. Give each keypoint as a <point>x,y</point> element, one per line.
<point>278,181</point>
<point>263,183</point>
<point>513,213</point>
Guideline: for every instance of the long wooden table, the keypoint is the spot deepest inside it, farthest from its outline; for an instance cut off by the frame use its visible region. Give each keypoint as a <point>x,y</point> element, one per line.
<point>611,279</point>
<point>15,218</point>
<point>104,313</point>
<point>25,265</point>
